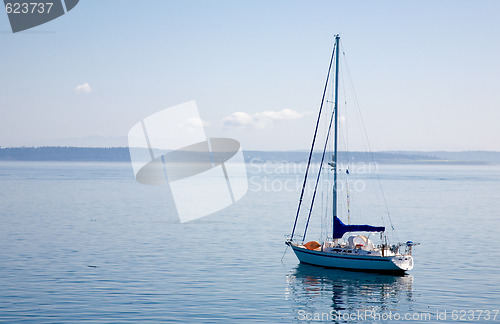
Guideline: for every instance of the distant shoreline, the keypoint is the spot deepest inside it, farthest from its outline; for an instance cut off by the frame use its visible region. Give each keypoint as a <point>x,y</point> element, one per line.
<point>121,154</point>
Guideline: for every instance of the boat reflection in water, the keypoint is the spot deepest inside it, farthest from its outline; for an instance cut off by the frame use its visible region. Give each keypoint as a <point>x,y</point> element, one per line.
<point>332,293</point>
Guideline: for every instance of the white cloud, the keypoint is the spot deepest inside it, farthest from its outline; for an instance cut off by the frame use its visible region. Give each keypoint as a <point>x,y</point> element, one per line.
<point>193,123</point>
<point>259,120</point>
<point>238,119</point>
<point>83,88</point>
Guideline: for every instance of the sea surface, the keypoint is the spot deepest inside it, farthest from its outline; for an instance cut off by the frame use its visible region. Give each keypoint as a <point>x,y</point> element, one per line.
<point>84,242</point>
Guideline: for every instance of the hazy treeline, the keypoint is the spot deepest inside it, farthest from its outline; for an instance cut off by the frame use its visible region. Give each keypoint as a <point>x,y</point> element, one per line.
<point>121,154</point>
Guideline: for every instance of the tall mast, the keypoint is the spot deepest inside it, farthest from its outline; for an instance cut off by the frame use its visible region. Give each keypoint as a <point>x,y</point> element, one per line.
<point>335,111</point>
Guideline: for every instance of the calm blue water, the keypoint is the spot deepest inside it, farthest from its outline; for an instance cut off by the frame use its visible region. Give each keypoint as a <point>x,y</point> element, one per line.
<point>84,242</point>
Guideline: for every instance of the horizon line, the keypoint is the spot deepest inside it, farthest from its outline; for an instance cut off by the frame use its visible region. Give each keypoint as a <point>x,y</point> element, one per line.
<point>256,150</point>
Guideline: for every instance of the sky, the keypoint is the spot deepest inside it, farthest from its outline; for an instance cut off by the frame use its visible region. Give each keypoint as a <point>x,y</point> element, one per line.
<point>426,73</point>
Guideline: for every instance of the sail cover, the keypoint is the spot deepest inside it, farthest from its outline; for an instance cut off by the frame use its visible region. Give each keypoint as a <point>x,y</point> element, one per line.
<point>339,228</point>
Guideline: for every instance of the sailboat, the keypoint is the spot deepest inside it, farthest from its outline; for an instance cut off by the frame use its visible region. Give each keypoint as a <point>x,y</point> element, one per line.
<point>357,252</point>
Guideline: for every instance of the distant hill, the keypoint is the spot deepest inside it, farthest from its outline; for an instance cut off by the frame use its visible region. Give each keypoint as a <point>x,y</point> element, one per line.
<point>488,157</point>
<point>379,157</point>
<point>121,154</point>
<point>56,153</point>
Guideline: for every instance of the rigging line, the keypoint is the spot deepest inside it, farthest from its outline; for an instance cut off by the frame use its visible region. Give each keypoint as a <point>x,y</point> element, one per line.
<point>323,203</point>
<point>346,136</point>
<point>313,142</point>
<point>344,154</point>
<point>326,204</point>
<point>364,138</point>
<point>367,140</point>
<point>348,202</point>
<point>286,249</point>
<point>317,179</point>
<point>325,180</point>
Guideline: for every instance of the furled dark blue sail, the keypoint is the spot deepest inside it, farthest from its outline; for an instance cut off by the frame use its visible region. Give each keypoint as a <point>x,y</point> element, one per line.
<point>339,228</point>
